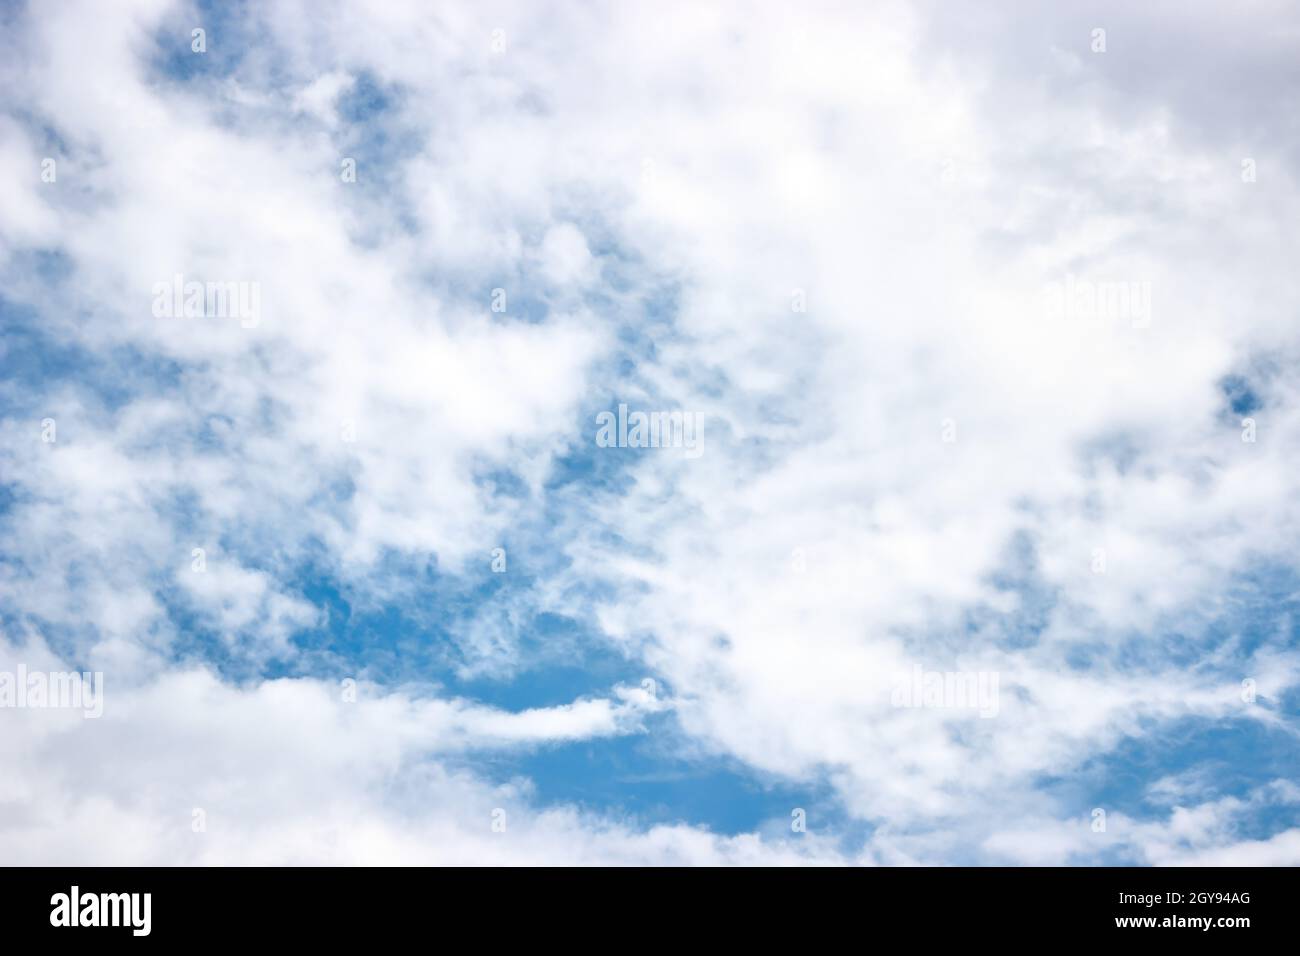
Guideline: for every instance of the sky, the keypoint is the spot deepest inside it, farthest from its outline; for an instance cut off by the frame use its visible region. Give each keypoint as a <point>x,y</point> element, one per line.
<point>980,323</point>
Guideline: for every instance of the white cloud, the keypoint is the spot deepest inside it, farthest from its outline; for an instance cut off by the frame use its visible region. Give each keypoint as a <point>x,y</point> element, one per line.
<point>319,98</point>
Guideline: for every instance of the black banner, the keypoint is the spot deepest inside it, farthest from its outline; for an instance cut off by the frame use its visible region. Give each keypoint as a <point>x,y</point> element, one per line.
<point>1213,907</point>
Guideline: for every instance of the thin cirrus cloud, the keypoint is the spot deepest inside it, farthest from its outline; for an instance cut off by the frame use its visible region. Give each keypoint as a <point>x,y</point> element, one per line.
<point>835,236</point>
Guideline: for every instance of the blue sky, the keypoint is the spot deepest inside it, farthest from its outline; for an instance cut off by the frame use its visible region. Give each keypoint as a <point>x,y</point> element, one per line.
<point>277,536</point>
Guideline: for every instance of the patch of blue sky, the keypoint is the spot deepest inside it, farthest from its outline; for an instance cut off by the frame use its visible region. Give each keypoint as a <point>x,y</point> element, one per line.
<point>37,361</point>
<point>227,40</point>
<point>983,625</point>
<point>586,468</point>
<point>415,633</point>
<point>1247,389</point>
<point>408,643</point>
<point>1226,757</point>
<point>9,496</point>
<point>196,642</point>
<point>44,135</point>
<point>1206,759</point>
<point>366,99</point>
<point>1036,600</point>
<point>1253,610</point>
<point>50,267</point>
<point>500,482</point>
<point>570,663</point>
<point>524,301</point>
<point>1240,395</point>
<point>647,780</point>
<point>374,130</point>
